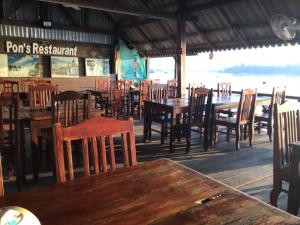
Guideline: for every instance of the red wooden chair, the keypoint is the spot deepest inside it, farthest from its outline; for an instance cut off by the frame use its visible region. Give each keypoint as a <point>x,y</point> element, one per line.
<point>96,130</point>
<point>40,96</point>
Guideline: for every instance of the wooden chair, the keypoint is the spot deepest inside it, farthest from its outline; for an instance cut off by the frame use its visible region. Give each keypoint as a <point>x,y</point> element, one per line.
<point>172,88</point>
<point>95,130</point>
<point>155,81</point>
<point>26,83</point>
<point>144,95</point>
<point>8,87</point>
<point>70,107</point>
<point>113,106</point>
<point>159,92</point>
<point>124,86</point>
<point>1,179</point>
<point>286,132</point>
<point>10,136</point>
<point>265,119</point>
<point>193,85</point>
<point>224,89</point>
<point>197,119</point>
<point>245,117</point>
<point>40,96</point>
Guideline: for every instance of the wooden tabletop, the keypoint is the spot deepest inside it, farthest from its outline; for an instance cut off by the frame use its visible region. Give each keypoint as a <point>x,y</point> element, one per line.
<point>158,192</point>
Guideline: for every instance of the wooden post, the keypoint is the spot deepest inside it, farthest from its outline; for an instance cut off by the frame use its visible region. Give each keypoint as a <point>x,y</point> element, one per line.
<point>147,67</point>
<point>181,57</point>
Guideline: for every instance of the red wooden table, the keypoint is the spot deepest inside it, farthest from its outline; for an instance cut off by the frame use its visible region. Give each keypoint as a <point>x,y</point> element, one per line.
<point>158,192</point>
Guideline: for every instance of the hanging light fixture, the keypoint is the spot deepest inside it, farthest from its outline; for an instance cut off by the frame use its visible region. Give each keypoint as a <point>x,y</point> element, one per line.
<point>211,55</point>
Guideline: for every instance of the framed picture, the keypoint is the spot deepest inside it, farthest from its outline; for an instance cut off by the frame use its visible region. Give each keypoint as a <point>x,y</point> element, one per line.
<point>64,66</point>
<point>96,67</point>
<point>23,65</point>
<point>3,65</point>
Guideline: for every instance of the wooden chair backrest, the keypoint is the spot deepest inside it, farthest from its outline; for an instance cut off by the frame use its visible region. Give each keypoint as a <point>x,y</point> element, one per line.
<point>8,87</point>
<point>200,103</point>
<point>224,89</point>
<point>278,96</point>
<point>172,88</point>
<point>94,130</point>
<point>145,87</point>
<point>286,132</point>
<point>246,109</point>
<point>193,85</point>
<point>70,107</point>
<point>124,86</point>
<point>40,95</point>
<point>27,82</point>
<point>9,134</point>
<point>102,84</point>
<point>158,92</point>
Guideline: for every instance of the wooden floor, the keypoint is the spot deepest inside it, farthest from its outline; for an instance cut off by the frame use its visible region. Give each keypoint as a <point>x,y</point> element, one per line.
<point>248,170</point>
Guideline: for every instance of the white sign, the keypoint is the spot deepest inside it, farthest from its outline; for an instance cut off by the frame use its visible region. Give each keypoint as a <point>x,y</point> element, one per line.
<point>37,49</point>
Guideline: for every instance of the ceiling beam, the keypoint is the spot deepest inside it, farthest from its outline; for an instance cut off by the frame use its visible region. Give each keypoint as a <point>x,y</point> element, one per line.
<point>122,9</point>
<point>16,7</point>
<point>209,5</point>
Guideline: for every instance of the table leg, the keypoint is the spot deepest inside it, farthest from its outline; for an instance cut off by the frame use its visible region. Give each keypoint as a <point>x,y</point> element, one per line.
<point>146,122</point>
<point>293,195</point>
<point>172,131</point>
<point>23,151</point>
<point>35,151</point>
<point>212,126</point>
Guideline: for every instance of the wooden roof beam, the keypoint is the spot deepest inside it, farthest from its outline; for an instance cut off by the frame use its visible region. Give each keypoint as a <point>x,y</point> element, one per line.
<point>209,5</point>
<point>122,9</point>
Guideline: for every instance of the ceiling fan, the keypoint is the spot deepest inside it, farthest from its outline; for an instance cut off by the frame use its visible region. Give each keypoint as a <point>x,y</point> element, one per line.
<point>284,27</point>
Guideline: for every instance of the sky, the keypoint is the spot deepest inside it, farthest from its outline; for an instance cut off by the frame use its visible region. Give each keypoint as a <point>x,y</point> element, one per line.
<point>271,56</point>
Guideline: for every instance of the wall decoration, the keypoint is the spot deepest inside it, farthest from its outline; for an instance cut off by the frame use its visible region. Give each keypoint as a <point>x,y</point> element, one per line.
<point>96,67</point>
<point>23,65</point>
<point>3,65</point>
<point>64,67</point>
<point>132,65</point>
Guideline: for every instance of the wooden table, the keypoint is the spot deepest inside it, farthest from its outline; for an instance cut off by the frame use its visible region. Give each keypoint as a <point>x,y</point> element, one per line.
<point>180,105</point>
<point>37,119</point>
<point>173,106</point>
<point>293,195</point>
<point>158,192</point>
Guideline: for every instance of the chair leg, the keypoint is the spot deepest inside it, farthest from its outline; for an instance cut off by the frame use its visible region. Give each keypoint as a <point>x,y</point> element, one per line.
<point>162,134</point>
<point>228,133</point>
<point>270,133</point>
<point>277,184</point>
<point>245,132</point>
<point>188,140</point>
<point>238,136</point>
<point>251,132</point>
<point>258,127</point>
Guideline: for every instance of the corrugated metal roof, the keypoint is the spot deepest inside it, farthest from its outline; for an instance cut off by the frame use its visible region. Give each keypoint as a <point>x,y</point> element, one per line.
<point>240,24</point>
<point>217,25</point>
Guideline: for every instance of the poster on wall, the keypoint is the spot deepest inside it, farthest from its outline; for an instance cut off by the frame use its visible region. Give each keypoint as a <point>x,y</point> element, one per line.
<point>132,65</point>
<point>64,67</point>
<point>3,65</point>
<point>96,67</point>
<point>23,65</point>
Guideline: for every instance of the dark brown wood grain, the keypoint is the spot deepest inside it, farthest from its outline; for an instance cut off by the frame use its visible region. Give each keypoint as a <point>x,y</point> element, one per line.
<point>158,192</point>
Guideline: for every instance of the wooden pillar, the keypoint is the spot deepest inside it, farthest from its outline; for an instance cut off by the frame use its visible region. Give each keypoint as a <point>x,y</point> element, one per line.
<point>147,67</point>
<point>180,62</point>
